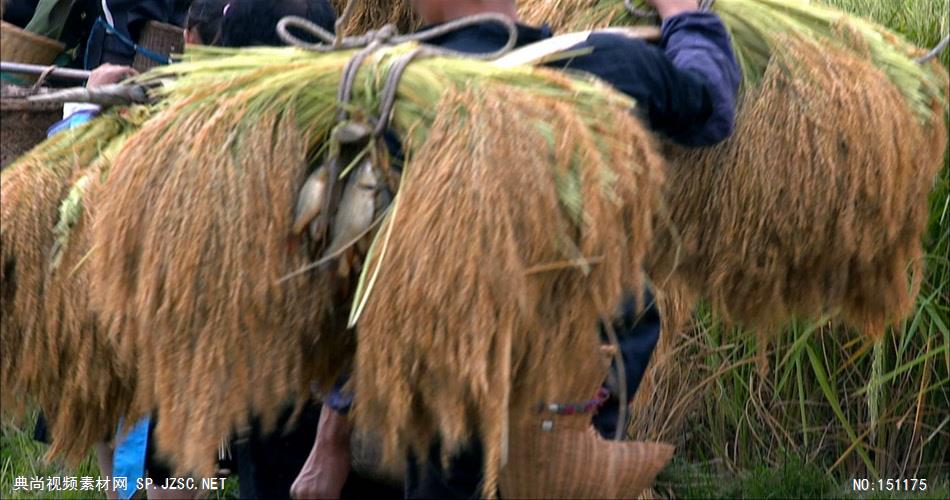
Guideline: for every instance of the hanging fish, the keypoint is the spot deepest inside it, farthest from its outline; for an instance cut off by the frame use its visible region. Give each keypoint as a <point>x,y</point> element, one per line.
<point>310,201</point>
<point>357,207</point>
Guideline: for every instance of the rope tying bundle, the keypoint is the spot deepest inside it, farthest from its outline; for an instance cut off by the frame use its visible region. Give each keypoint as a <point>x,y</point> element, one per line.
<point>387,35</point>
<point>352,134</point>
<point>929,56</point>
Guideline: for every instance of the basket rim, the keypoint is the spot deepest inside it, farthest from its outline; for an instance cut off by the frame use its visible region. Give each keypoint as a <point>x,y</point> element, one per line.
<point>19,32</point>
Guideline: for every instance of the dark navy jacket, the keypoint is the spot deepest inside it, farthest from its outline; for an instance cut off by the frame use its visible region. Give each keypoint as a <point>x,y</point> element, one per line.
<point>685,88</point>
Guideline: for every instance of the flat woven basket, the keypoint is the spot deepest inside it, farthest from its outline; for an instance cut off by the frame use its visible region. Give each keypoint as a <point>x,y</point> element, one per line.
<point>23,125</point>
<point>561,456</point>
<point>19,45</point>
<point>160,38</point>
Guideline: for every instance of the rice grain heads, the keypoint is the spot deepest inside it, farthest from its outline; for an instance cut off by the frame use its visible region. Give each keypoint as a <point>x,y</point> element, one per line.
<point>32,189</point>
<point>374,14</point>
<point>198,226</point>
<point>823,210</point>
<point>199,229</point>
<point>56,355</point>
<point>485,299</point>
<point>92,386</point>
<point>818,202</point>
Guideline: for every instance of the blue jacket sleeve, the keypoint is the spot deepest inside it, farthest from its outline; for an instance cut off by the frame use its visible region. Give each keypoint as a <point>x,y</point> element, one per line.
<point>698,43</point>
<point>685,88</point>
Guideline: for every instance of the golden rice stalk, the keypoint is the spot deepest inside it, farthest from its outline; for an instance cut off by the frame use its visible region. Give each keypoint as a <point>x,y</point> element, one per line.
<point>88,387</point>
<point>32,189</point>
<point>818,202</point>
<point>374,14</point>
<point>57,356</point>
<point>200,224</point>
<point>479,308</point>
<point>822,210</point>
<point>668,393</point>
<point>190,247</point>
<point>758,29</point>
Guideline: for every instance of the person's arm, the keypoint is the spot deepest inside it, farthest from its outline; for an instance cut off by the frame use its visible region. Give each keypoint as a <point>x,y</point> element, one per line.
<point>698,43</point>
<point>686,86</point>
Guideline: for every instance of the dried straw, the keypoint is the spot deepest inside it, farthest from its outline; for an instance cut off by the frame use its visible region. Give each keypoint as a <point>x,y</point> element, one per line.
<point>56,355</point>
<point>374,14</point>
<point>830,219</point>
<point>91,387</point>
<point>818,202</point>
<point>445,344</point>
<point>199,225</point>
<point>32,189</point>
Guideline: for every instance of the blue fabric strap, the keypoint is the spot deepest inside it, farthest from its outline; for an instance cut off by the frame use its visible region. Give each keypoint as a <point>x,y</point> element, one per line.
<point>128,460</point>
<point>105,26</point>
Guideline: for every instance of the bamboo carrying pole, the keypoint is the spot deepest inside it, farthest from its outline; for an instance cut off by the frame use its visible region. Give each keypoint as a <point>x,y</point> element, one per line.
<point>50,71</point>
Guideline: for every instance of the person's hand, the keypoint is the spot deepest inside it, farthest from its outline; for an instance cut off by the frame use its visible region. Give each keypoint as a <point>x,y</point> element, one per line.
<point>670,8</point>
<point>108,74</point>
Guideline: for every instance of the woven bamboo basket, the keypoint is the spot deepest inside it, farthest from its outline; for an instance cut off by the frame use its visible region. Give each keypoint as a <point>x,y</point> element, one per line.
<point>19,45</point>
<point>23,125</point>
<point>562,456</point>
<point>160,38</point>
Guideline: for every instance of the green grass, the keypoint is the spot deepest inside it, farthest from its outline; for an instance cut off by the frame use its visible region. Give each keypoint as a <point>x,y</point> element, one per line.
<point>21,456</point>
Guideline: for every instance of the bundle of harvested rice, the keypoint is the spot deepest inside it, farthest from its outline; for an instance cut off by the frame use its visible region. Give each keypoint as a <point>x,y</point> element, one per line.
<point>478,278</point>
<point>92,387</point>
<point>56,353</point>
<point>818,202</point>
<point>200,226</point>
<point>32,190</point>
<point>369,15</point>
<point>831,220</point>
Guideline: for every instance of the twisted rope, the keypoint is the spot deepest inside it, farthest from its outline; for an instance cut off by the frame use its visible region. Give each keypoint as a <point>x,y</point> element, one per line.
<point>929,56</point>
<point>387,35</point>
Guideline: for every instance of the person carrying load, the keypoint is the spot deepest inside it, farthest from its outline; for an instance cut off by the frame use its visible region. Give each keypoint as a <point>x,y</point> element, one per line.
<point>686,89</point>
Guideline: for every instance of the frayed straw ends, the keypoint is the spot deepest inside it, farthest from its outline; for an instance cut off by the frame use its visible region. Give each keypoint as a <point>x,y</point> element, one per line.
<point>817,204</point>
<point>191,246</point>
<point>32,190</point>
<point>468,317</point>
<point>92,387</point>
<point>374,14</point>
